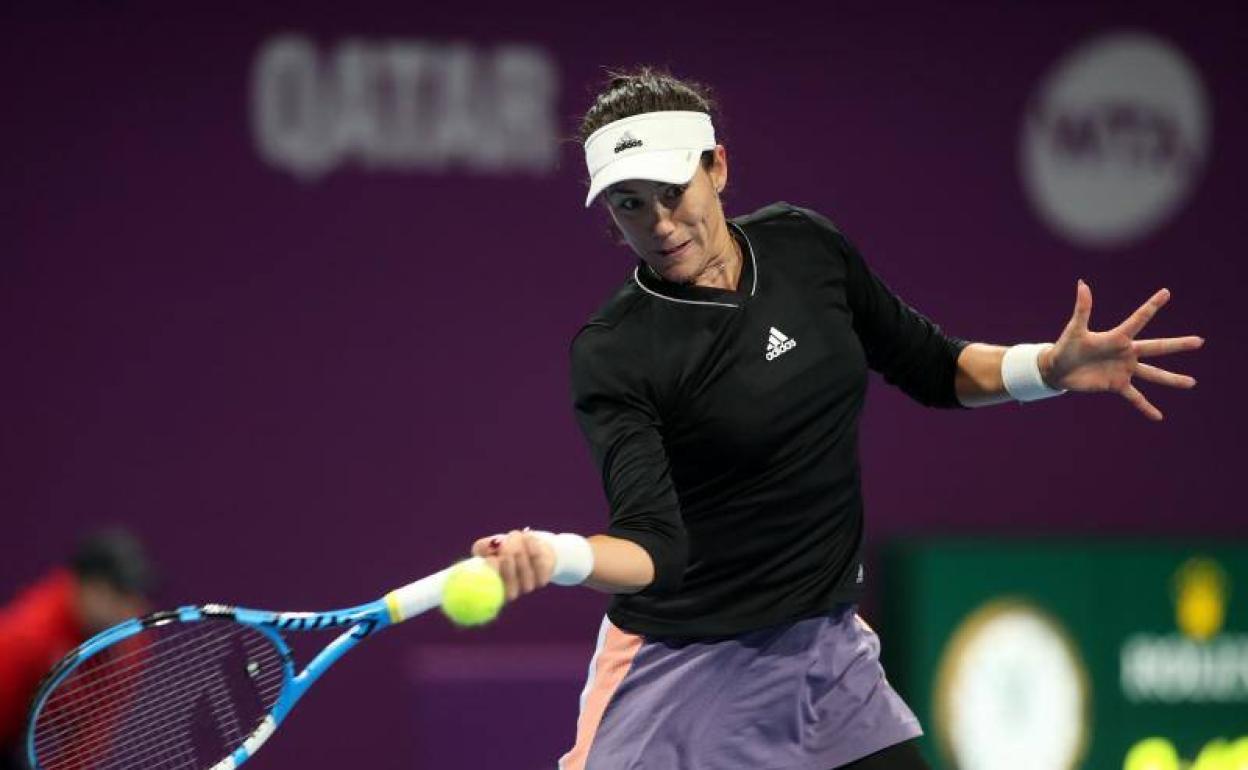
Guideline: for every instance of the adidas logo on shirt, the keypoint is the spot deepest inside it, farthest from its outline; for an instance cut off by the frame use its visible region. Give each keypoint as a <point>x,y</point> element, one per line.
<point>778,344</point>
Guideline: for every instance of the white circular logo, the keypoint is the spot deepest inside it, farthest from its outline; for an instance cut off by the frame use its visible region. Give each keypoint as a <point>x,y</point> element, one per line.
<point>1114,139</point>
<point>1011,692</point>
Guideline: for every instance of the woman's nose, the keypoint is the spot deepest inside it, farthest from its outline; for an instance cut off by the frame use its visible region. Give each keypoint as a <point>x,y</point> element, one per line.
<point>662,226</point>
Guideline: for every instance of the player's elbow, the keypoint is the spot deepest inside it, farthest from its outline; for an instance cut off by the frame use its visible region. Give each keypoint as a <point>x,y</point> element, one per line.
<point>666,548</point>
<point>669,568</point>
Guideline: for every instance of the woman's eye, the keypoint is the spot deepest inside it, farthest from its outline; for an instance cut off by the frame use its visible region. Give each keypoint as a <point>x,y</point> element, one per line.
<point>628,204</point>
<point>675,191</point>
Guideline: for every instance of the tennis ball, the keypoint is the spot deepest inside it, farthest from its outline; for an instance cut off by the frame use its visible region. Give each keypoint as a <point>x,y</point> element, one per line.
<point>1152,754</point>
<point>473,593</point>
<point>1214,755</point>
<point>1237,755</point>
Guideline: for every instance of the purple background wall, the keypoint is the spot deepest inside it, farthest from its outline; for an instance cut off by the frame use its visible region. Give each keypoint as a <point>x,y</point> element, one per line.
<point>302,392</point>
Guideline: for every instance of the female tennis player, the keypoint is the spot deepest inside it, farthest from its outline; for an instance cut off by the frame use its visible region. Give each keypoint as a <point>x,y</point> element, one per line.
<point>720,390</point>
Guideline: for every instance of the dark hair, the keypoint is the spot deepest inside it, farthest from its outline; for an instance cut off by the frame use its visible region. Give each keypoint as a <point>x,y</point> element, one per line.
<point>646,89</point>
<point>117,558</point>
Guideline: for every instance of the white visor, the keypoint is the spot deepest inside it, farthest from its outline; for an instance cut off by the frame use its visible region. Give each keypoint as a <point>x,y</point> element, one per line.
<point>656,146</point>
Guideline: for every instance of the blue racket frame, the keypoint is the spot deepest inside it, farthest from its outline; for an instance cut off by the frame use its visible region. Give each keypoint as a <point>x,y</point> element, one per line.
<point>363,620</point>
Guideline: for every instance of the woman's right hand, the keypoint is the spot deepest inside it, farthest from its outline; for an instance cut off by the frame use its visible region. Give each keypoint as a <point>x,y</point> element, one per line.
<point>523,559</point>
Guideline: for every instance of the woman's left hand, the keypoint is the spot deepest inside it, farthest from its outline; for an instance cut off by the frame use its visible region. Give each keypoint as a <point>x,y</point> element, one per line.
<point>1088,361</point>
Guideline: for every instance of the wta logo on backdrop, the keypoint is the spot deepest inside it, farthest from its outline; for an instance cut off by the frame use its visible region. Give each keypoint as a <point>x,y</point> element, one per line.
<point>400,105</point>
<point>1114,140</point>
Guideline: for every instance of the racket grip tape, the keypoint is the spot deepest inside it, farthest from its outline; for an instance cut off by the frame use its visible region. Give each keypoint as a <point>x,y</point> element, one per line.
<point>418,597</point>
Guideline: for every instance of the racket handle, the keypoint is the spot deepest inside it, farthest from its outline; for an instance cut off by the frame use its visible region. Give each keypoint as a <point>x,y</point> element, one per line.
<point>421,596</point>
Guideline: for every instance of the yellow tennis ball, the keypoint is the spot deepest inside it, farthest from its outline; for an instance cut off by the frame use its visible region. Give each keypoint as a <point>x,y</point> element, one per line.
<point>1152,754</point>
<point>1237,755</point>
<point>1214,755</point>
<point>473,593</point>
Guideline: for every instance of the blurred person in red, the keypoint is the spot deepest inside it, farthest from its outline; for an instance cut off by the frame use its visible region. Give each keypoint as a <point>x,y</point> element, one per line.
<point>107,580</point>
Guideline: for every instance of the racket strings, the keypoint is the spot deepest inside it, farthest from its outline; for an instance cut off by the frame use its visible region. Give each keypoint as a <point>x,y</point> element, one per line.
<point>183,697</point>
<point>160,712</point>
<point>83,717</point>
<point>143,731</point>
<point>120,680</point>
<point>114,661</point>
<point>100,723</point>
<point>163,711</point>
<point>147,742</point>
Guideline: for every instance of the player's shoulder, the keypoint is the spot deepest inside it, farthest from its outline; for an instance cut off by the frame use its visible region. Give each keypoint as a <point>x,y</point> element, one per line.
<point>615,323</point>
<point>622,307</point>
<point>782,214</point>
<point>787,234</point>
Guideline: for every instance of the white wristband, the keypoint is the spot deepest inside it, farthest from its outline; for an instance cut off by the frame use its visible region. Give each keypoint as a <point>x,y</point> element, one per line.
<point>574,557</point>
<point>1020,370</point>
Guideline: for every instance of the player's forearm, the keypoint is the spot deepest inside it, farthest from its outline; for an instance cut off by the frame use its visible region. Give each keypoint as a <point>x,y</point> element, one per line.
<point>979,381</point>
<point>620,566</point>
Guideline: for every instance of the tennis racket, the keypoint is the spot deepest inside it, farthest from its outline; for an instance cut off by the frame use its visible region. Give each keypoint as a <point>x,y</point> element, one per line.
<point>199,687</point>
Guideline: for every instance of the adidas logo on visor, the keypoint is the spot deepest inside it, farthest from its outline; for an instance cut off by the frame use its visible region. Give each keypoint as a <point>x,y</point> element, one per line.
<point>627,142</point>
<point>778,344</point>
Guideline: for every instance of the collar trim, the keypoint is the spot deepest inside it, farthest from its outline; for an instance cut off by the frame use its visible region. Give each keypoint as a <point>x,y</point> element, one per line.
<point>753,274</point>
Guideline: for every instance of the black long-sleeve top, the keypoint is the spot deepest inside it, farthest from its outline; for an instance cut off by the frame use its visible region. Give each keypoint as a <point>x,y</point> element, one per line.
<point>725,424</point>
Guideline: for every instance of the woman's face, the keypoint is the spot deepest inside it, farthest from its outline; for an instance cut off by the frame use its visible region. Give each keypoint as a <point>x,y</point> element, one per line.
<point>677,229</point>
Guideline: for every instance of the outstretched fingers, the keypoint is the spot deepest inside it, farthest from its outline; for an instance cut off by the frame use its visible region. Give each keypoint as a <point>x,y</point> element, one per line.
<point>1083,305</point>
<point>1164,377</point>
<point>1136,322</point>
<point>1166,346</point>
<point>1138,400</point>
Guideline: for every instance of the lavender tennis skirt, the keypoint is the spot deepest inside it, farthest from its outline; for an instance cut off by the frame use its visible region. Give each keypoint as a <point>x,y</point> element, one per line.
<point>806,696</point>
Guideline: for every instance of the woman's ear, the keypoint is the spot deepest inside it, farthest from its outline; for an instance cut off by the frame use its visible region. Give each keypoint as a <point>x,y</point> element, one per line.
<point>719,168</point>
